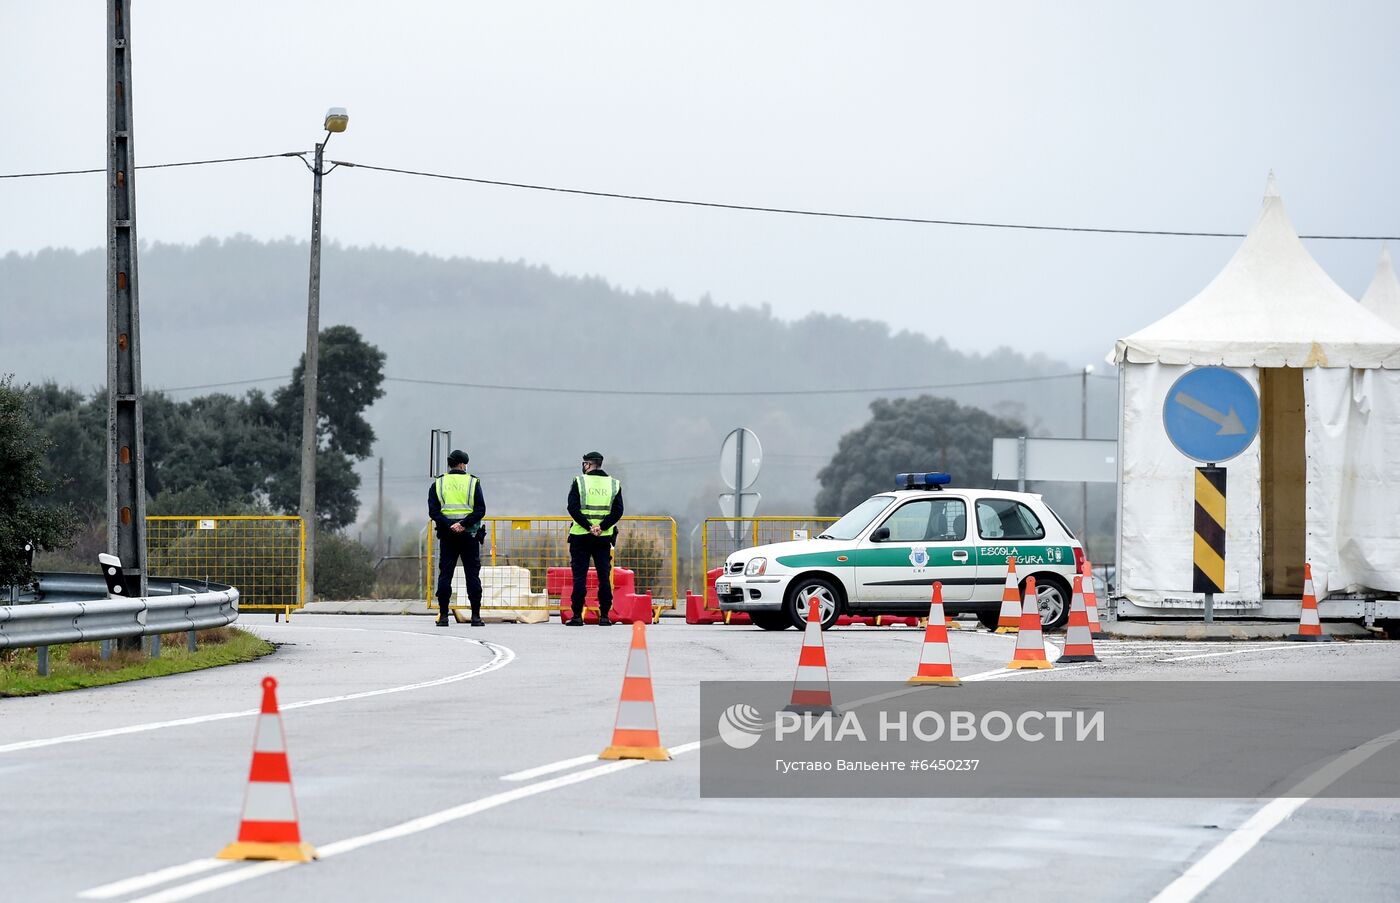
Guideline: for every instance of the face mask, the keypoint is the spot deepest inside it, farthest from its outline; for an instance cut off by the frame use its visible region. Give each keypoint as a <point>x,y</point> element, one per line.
<point>583,468</point>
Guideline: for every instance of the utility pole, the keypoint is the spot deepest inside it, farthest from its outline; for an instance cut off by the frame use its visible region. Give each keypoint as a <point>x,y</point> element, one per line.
<point>126,472</point>
<point>1084,434</point>
<point>379,530</point>
<point>336,121</point>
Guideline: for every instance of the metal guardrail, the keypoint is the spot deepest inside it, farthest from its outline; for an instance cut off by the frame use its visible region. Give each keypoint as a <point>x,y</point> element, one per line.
<point>56,623</point>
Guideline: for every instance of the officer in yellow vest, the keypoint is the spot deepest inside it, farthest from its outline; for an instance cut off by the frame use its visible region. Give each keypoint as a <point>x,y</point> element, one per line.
<point>595,504</point>
<point>456,505</point>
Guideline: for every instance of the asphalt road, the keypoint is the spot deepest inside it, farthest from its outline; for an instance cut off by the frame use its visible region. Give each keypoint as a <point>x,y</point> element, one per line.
<point>446,764</point>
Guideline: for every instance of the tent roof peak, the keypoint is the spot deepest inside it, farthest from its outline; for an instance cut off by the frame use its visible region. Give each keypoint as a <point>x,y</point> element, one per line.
<point>1272,305</point>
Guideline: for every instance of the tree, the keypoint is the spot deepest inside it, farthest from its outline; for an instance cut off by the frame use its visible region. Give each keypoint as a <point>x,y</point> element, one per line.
<point>907,435</point>
<point>23,519</point>
<point>350,379</point>
<point>74,431</point>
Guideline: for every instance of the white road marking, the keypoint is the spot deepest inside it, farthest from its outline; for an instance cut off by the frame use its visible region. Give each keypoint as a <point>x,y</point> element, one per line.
<point>542,770</point>
<point>501,656</point>
<point>1243,839</point>
<point>141,882</point>
<point>423,823</point>
<point>395,832</point>
<point>1187,658</point>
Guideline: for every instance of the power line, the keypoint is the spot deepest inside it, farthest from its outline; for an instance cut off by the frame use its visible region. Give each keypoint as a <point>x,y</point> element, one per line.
<point>82,172</point>
<point>236,382</point>
<point>716,205</point>
<point>571,390</point>
<point>829,214</point>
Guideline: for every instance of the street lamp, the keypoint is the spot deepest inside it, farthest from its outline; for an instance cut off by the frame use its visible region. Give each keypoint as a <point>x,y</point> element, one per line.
<point>336,121</point>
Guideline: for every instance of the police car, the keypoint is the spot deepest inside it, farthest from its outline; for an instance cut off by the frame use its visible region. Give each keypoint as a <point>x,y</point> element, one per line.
<point>885,554</point>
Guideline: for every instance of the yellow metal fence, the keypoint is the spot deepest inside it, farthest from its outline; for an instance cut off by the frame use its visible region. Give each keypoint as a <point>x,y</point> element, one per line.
<point>724,536</point>
<point>646,545</point>
<point>262,556</point>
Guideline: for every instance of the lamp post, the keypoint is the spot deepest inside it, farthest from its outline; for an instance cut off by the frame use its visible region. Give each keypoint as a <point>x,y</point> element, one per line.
<point>336,121</point>
<point>1084,434</point>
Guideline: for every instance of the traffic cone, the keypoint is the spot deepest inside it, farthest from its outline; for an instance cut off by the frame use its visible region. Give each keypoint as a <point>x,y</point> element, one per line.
<point>1079,637</point>
<point>1309,627</point>
<point>1091,601</point>
<point>1009,620</point>
<point>1030,645</point>
<point>269,829</point>
<point>635,735</point>
<point>811,688</point>
<point>936,659</point>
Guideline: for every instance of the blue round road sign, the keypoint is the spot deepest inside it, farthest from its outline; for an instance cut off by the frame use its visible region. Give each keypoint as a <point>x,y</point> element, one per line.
<point>1211,414</point>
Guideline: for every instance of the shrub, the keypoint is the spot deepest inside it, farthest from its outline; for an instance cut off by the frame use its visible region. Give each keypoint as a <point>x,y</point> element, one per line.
<point>344,568</point>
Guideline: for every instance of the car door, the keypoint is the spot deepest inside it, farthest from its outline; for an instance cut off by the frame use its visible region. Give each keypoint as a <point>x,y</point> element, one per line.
<point>917,542</point>
<point>1008,528</point>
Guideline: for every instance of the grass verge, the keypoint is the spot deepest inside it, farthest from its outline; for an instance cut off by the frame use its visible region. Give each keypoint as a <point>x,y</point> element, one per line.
<point>78,665</point>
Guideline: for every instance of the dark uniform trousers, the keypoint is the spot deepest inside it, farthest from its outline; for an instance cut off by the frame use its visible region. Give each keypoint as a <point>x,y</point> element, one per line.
<point>453,547</point>
<point>596,550</point>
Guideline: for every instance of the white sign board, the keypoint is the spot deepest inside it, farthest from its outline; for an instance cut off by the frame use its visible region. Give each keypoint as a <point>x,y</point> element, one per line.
<point>739,459</point>
<point>1064,460</point>
<point>751,500</point>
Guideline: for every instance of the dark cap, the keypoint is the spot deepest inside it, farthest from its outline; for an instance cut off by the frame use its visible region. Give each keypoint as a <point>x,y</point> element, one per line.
<point>457,456</point>
<point>593,456</point>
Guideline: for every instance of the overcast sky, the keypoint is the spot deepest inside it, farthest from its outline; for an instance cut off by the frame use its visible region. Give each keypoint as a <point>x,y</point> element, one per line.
<point>1134,115</point>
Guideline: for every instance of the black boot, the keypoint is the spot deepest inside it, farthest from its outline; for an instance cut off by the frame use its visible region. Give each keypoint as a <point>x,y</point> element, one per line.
<point>476,617</point>
<point>575,621</point>
<point>604,620</point>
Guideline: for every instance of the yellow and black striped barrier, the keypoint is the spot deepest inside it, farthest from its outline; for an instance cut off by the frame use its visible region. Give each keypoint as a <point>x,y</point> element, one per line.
<point>1208,570</point>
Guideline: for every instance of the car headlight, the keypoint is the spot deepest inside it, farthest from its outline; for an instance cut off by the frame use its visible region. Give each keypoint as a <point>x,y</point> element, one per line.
<point>755,567</point>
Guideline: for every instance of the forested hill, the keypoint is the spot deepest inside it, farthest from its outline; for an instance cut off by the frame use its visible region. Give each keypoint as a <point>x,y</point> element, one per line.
<point>224,311</point>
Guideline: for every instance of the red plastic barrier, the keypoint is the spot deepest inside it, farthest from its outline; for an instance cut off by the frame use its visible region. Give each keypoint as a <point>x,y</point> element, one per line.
<point>705,609</point>
<point>696,612</point>
<point>627,608</point>
<point>628,605</point>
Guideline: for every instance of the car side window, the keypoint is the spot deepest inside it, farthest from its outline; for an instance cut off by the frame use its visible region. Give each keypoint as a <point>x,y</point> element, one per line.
<point>928,520</point>
<point>1007,519</point>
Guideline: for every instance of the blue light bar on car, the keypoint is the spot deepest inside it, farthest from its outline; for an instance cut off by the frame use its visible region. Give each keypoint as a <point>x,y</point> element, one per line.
<point>921,480</point>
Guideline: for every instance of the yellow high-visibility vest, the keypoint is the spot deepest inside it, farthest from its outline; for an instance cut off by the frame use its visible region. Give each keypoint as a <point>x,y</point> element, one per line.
<point>456,494</point>
<point>595,501</point>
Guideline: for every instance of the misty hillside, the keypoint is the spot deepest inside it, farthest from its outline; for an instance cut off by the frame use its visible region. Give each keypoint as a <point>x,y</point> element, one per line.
<point>232,310</point>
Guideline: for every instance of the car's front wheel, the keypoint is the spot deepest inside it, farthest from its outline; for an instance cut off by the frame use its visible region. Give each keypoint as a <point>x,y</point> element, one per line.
<point>813,591</point>
<point>770,620</point>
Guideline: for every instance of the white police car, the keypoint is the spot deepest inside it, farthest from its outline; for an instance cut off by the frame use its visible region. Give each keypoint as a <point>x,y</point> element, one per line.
<point>885,554</point>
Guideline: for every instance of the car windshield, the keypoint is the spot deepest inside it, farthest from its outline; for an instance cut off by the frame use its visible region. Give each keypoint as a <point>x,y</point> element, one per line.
<point>858,518</point>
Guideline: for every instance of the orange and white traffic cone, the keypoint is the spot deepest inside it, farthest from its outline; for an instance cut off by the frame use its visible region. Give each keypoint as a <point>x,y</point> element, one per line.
<point>1309,627</point>
<point>269,829</point>
<point>935,658</point>
<point>811,688</point>
<point>1079,638</point>
<point>635,734</point>
<point>1009,619</point>
<point>1091,601</point>
<point>1030,645</point>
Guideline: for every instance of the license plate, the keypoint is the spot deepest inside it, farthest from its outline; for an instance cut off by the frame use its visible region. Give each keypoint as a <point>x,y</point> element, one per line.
<point>721,587</point>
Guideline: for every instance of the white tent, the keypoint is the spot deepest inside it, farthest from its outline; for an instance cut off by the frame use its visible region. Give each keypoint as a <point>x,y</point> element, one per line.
<point>1382,297</point>
<point>1316,485</point>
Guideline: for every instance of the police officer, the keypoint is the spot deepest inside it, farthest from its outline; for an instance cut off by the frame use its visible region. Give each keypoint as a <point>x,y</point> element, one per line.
<point>456,505</point>
<point>595,504</point>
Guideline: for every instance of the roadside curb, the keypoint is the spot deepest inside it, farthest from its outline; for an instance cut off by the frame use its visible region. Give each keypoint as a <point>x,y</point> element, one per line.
<point>1223,630</point>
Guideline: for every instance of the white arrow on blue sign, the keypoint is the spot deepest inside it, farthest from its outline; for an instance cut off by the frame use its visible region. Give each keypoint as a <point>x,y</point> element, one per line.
<point>1211,414</point>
